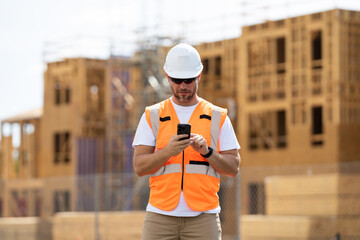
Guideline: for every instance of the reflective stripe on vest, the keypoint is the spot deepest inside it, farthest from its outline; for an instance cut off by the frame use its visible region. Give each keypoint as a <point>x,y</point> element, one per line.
<point>154,118</point>
<point>170,168</point>
<point>190,168</point>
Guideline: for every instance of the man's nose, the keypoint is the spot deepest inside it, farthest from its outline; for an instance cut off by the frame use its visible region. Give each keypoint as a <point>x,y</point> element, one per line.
<point>183,85</point>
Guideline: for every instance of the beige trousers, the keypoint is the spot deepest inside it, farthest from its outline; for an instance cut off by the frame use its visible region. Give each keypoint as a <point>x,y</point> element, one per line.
<point>162,227</point>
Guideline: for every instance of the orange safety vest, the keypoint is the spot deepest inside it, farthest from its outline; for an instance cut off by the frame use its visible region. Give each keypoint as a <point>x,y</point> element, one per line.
<point>189,171</point>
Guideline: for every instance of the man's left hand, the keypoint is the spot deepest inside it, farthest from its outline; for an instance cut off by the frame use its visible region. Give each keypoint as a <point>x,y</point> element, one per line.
<point>199,144</point>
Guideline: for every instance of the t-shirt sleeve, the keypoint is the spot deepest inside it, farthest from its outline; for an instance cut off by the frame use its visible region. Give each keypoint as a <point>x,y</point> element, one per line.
<point>227,137</point>
<point>144,134</point>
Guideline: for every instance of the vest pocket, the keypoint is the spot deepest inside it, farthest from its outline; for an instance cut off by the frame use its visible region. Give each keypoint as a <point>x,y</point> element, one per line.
<point>165,191</point>
<point>200,191</point>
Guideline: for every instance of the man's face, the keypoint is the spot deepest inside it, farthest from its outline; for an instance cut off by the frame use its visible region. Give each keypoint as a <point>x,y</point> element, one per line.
<point>184,93</point>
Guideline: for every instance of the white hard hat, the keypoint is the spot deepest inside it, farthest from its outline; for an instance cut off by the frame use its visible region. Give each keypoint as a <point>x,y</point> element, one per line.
<point>183,61</point>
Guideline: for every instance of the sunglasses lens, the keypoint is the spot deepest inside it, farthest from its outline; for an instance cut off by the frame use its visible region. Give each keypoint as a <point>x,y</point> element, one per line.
<point>179,81</point>
<point>188,81</point>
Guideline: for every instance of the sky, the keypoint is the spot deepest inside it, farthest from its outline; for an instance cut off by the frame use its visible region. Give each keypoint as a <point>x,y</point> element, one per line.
<point>33,32</point>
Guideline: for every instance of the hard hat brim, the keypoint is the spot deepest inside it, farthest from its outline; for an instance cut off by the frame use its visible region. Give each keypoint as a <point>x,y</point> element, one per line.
<point>183,74</point>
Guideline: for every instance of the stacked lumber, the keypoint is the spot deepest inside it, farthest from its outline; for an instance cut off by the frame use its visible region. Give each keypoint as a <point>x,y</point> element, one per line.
<point>318,195</point>
<point>262,227</point>
<point>30,228</point>
<point>308,207</point>
<point>111,225</point>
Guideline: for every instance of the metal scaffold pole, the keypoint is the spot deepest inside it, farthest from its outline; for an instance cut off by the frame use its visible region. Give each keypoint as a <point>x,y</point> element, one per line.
<point>96,207</point>
<point>238,205</point>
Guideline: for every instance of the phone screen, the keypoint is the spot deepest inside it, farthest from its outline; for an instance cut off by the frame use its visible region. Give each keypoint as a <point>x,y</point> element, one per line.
<point>184,128</point>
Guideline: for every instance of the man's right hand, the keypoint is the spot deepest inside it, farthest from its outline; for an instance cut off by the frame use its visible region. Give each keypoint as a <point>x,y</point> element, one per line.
<point>175,146</point>
<point>146,161</point>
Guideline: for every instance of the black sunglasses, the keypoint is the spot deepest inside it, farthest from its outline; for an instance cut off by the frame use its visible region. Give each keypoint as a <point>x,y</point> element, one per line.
<point>180,80</point>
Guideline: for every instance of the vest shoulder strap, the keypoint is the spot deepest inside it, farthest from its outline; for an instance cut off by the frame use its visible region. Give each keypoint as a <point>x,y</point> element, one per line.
<point>217,120</point>
<point>152,117</point>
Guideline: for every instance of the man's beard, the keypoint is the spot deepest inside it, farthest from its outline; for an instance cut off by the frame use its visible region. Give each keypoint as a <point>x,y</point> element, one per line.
<point>182,98</point>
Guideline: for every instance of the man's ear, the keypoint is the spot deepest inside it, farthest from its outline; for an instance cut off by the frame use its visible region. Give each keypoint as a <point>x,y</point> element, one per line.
<point>168,78</point>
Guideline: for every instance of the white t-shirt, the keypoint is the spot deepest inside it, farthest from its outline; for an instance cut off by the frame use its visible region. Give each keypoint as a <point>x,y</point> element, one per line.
<point>145,136</point>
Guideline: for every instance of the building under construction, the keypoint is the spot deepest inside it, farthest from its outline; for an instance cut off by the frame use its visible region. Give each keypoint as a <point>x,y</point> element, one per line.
<point>298,98</point>
<point>85,127</point>
<point>299,90</point>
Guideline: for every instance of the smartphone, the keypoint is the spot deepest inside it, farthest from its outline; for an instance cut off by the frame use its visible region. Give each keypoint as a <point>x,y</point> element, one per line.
<point>184,128</point>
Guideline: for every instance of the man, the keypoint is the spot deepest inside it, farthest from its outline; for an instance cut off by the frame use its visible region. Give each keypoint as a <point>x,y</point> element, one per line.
<point>184,174</point>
